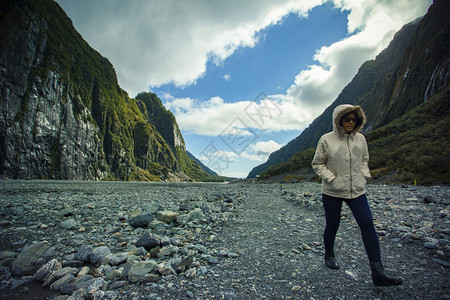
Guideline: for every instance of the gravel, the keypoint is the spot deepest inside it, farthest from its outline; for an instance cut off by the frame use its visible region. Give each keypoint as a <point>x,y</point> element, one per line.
<point>245,240</point>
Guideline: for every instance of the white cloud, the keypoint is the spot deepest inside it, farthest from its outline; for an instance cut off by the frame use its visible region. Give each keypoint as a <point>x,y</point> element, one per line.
<point>214,117</point>
<point>235,174</point>
<point>227,77</point>
<point>373,24</point>
<point>260,151</point>
<point>151,43</point>
<point>178,104</point>
<point>265,148</point>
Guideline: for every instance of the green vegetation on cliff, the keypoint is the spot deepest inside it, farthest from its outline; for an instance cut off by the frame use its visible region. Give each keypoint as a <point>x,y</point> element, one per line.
<point>414,147</point>
<point>365,89</point>
<point>138,138</point>
<point>405,94</point>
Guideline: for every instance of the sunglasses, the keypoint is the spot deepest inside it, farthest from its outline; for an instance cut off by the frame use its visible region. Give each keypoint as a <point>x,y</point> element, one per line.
<point>348,120</point>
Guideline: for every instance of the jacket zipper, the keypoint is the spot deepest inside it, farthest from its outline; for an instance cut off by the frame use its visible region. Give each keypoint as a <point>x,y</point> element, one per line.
<point>351,177</point>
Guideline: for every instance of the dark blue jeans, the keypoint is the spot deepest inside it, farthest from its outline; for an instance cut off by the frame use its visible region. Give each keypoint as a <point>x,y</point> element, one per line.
<point>363,216</point>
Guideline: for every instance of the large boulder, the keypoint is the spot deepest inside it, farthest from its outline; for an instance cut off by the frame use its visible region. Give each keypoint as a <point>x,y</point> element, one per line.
<point>32,258</point>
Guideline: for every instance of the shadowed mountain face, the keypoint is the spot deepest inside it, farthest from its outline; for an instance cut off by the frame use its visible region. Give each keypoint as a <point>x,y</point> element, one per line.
<point>410,75</point>
<point>63,114</point>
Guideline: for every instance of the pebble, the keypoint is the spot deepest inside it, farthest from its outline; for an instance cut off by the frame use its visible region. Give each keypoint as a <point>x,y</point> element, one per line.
<point>352,274</point>
<point>161,238</point>
<point>138,243</point>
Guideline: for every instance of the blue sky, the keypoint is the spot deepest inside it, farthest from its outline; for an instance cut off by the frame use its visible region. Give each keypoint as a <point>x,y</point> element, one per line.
<point>270,65</point>
<point>243,78</point>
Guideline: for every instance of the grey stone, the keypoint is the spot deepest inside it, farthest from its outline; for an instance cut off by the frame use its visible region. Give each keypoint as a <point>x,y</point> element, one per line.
<point>156,224</point>
<point>59,274</point>
<point>117,259</point>
<point>140,269</point>
<point>149,278</point>
<point>196,214</point>
<point>69,224</point>
<point>190,294</point>
<point>229,296</point>
<point>148,241</point>
<point>141,220</point>
<point>84,253</point>
<point>73,263</point>
<point>113,275</point>
<point>167,216</point>
<point>8,254</point>
<point>99,284</point>
<point>352,274</point>
<point>441,262</point>
<point>430,245</point>
<point>99,254</point>
<point>139,251</point>
<point>69,211</point>
<point>80,283</point>
<point>84,281</point>
<point>56,286</point>
<point>202,270</point>
<point>201,248</point>
<point>46,270</point>
<point>117,284</point>
<point>165,241</point>
<point>68,288</point>
<point>80,294</point>
<point>126,269</point>
<point>16,282</point>
<point>165,269</point>
<point>152,208</point>
<point>446,231</point>
<point>32,258</point>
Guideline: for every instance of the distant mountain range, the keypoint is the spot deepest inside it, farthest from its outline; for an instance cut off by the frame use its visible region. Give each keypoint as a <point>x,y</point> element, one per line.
<point>64,116</point>
<point>405,94</point>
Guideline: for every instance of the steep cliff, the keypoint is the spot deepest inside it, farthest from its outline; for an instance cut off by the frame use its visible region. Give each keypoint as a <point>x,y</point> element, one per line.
<point>405,93</point>
<point>424,69</point>
<point>63,114</point>
<point>364,89</point>
<point>163,120</point>
<point>166,124</point>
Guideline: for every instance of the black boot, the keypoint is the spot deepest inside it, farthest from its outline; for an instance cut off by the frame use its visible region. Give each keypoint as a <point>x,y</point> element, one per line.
<point>379,277</point>
<point>330,261</point>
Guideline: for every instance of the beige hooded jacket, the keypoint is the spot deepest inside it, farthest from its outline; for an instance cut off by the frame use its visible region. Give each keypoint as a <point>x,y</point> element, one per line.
<point>341,160</point>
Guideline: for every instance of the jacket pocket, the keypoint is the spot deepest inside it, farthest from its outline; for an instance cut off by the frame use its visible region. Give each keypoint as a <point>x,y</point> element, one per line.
<point>360,184</point>
<point>338,184</point>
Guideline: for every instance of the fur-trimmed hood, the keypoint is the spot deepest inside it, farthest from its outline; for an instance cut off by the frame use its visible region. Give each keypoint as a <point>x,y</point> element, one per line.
<point>342,160</point>
<point>344,109</point>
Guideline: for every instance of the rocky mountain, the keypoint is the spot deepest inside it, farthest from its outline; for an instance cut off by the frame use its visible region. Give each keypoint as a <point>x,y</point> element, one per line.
<point>203,166</point>
<point>63,114</point>
<point>407,79</point>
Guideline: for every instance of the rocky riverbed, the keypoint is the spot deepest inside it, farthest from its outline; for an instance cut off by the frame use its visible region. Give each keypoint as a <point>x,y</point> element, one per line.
<point>245,240</point>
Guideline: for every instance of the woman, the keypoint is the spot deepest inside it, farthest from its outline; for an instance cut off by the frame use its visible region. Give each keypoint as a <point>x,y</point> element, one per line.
<point>341,161</point>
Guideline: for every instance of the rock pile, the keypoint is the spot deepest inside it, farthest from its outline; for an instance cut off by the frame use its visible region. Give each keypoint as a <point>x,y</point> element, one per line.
<point>92,255</point>
<point>100,240</point>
